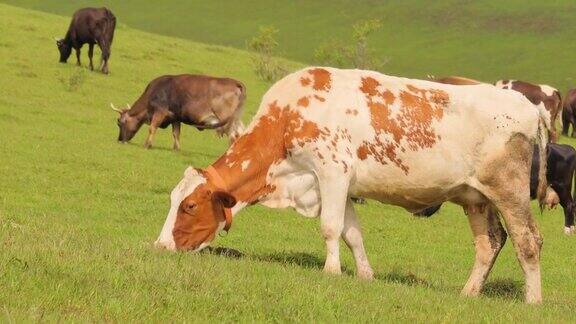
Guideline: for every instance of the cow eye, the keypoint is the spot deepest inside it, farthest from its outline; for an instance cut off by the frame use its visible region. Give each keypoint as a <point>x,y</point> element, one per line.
<point>190,208</point>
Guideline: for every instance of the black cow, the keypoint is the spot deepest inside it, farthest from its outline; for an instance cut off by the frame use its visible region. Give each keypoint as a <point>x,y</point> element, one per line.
<point>561,165</point>
<point>89,26</point>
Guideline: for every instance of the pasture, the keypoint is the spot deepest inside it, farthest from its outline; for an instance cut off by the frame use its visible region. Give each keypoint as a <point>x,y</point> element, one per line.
<point>79,212</point>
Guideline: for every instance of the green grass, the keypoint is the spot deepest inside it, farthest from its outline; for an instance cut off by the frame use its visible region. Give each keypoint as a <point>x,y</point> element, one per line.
<point>79,213</point>
<point>485,39</point>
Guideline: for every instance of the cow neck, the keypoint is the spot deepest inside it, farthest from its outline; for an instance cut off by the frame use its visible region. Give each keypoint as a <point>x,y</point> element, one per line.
<point>245,165</point>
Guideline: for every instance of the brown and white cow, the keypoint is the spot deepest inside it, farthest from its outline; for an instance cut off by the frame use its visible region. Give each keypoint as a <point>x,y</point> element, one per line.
<point>323,135</point>
<point>538,93</point>
<point>201,101</point>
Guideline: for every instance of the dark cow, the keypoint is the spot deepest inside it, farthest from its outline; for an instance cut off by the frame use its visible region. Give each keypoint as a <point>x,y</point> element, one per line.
<point>202,101</point>
<point>89,26</point>
<point>568,113</point>
<point>561,166</point>
<point>537,94</point>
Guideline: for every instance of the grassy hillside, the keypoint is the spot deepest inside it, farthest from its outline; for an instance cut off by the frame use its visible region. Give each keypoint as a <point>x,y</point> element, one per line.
<point>486,39</point>
<point>79,213</point>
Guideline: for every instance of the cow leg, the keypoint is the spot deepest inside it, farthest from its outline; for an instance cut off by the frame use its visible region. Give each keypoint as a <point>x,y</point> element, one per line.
<point>334,195</point>
<point>489,238</point>
<point>154,123</point>
<point>505,180</point>
<point>565,121</point>
<point>105,56</point>
<point>567,204</point>
<point>77,56</point>
<point>176,135</point>
<point>352,235</point>
<point>90,55</point>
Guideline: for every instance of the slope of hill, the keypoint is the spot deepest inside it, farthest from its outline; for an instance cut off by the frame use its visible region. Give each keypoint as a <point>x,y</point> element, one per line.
<point>79,213</point>
<point>487,40</point>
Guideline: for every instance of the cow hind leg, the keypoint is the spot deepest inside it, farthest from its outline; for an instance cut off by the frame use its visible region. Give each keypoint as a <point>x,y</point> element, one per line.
<point>352,235</point>
<point>334,195</point>
<point>506,183</point>
<point>176,135</point>
<point>489,238</point>
<point>90,55</point>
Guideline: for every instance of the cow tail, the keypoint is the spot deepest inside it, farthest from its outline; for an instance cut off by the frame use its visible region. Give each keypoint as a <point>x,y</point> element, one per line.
<point>543,129</point>
<point>234,127</point>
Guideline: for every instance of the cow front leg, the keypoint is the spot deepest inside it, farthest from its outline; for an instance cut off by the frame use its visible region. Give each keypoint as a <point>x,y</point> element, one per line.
<point>90,55</point>
<point>352,235</point>
<point>154,123</point>
<point>489,238</point>
<point>176,135</point>
<point>567,204</point>
<point>334,196</point>
<point>77,56</point>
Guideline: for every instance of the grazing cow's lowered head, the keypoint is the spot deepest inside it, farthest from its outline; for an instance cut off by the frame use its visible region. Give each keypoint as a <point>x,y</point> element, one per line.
<point>199,210</point>
<point>128,125</point>
<point>64,49</point>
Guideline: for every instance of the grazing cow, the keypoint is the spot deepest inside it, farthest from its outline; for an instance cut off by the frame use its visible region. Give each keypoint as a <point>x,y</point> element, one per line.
<point>536,94</point>
<point>561,167</point>
<point>201,101</point>
<point>569,113</point>
<point>89,26</point>
<point>456,80</point>
<point>323,135</point>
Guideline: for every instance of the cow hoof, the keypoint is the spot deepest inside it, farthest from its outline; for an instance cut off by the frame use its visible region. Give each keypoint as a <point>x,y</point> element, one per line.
<point>332,270</point>
<point>366,274</point>
<point>569,230</point>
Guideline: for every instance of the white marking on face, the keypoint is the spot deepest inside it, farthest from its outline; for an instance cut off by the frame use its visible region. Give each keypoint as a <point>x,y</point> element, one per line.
<point>245,165</point>
<point>192,179</point>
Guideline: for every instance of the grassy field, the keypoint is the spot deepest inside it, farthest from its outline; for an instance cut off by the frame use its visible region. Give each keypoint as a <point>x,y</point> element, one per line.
<point>79,212</point>
<point>484,39</point>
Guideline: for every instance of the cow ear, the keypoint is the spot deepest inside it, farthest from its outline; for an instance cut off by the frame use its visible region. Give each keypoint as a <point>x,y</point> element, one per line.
<point>225,198</point>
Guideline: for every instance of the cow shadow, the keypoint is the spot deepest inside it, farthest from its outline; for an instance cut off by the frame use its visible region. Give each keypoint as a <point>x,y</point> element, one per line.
<point>504,288</point>
<point>406,278</point>
<point>223,251</point>
<point>301,259</point>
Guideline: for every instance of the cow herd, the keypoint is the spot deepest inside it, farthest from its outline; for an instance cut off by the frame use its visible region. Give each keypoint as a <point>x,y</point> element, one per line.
<point>323,135</point>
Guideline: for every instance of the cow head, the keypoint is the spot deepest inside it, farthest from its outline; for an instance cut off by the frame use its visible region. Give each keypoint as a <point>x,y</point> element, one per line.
<point>197,213</point>
<point>128,125</point>
<point>64,49</point>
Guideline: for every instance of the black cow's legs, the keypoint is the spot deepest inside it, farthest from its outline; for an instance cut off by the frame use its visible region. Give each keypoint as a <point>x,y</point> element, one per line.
<point>78,56</point>
<point>90,55</point>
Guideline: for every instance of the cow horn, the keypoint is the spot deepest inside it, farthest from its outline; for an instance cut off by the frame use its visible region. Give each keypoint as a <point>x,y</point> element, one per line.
<point>115,109</point>
<point>128,106</point>
<point>57,39</point>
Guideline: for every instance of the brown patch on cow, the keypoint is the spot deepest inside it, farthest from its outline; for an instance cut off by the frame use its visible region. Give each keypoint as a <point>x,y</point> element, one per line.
<point>305,81</point>
<point>410,125</point>
<point>362,152</point>
<point>268,143</point>
<point>505,82</point>
<point>303,102</point>
<point>322,79</point>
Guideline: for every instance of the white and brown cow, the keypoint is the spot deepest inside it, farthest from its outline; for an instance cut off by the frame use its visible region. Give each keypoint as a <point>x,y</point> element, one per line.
<point>322,135</point>
<point>538,93</point>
